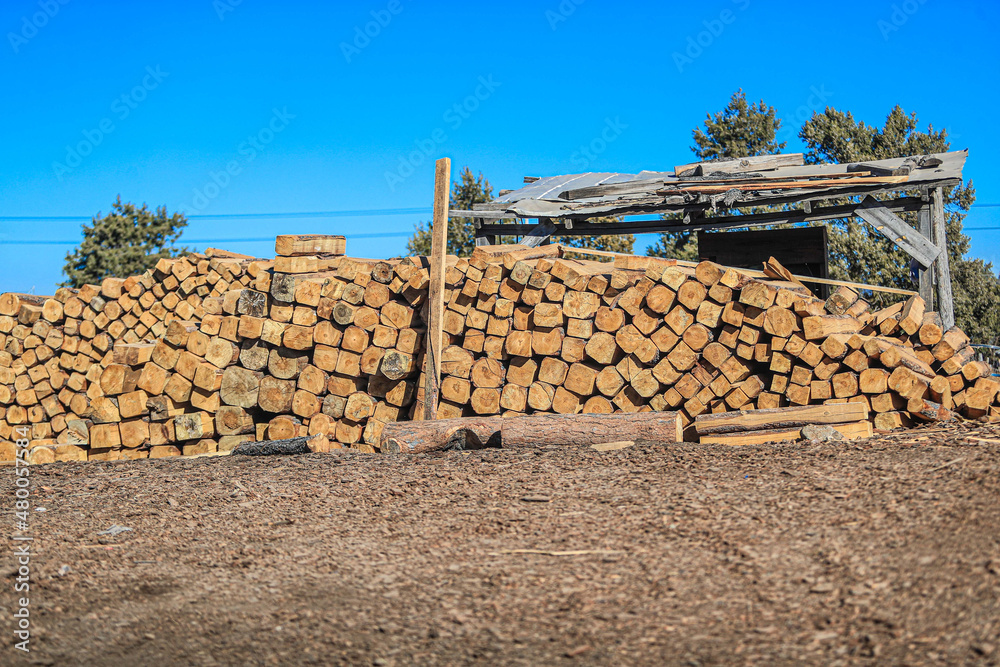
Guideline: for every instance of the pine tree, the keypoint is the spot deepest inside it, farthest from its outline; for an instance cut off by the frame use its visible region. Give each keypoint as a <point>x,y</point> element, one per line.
<point>861,254</point>
<point>465,192</point>
<point>469,190</point>
<point>740,130</point>
<point>125,242</point>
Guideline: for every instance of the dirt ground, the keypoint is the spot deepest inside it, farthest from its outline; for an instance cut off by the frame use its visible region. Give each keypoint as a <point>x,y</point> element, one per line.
<point>884,551</point>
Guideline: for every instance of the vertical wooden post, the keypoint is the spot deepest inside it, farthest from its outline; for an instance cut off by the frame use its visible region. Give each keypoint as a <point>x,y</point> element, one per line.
<point>946,307</point>
<point>926,275</point>
<point>435,298</point>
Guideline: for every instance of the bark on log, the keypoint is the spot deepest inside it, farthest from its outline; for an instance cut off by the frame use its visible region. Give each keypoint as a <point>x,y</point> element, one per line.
<point>304,445</point>
<point>591,429</point>
<point>463,433</point>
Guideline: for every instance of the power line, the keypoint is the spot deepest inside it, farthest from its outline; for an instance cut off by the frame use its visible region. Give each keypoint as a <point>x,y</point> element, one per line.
<point>263,239</point>
<point>346,213</point>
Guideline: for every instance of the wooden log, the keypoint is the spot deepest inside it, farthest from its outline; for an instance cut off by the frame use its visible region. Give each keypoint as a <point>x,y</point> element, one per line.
<point>291,245</point>
<point>590,429</point>
<point>275,395</point>
<point>821,326</point>
<point>889,421</point>
<point>240,387</point>
<point>841,300</point>
<point>459,434</point>
<point>925,410</point>
<point>952,341</point>
<point>309,444</point>
<point>781,418</point>
<point>931,329</point>
<point>850,431</point>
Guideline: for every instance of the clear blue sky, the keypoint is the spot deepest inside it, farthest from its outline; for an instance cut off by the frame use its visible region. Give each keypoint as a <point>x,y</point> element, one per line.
<point>164,95</point>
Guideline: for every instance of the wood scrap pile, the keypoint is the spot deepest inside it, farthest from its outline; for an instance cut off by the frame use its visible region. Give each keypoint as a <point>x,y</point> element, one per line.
<point>319,343</point>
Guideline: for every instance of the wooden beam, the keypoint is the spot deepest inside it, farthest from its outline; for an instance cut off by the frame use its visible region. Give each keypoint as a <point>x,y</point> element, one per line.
<point>945,305</point>
<point>482,238</point>
<point>750,186</point>
<point>755,163</point>
<point>539,233</point>
<point>482,215</point>
<point>435,300</point>
<point>817,214</point>
<point>926,275</point>
<point>896,230</point>
<point>755,420</point>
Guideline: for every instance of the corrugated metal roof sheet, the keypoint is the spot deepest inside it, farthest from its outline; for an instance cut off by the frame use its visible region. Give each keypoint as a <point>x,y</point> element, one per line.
<point>561,196</point>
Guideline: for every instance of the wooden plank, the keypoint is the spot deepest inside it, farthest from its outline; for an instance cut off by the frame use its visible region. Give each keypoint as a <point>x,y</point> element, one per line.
<point>926,229</point>
<point>737,165</point>
<point>785,185</point>
<point>439,248</point>
<point>649,185</point>
<point>755,420</point>
<point>290,245</point>
<point>539,233</point>
<point>851,431</point>
<point>813,214</point>
<point>945,304</point>
<point>897,231</point>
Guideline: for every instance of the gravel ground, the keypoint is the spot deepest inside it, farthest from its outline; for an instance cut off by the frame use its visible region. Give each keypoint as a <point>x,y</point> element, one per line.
<point>883,551</point>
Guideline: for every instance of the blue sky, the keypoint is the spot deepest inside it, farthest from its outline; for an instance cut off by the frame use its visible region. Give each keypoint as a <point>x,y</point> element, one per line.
<point>255,106</point>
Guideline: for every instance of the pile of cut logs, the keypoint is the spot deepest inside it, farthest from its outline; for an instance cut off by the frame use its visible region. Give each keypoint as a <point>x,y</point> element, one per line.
<point>203,353</point>
<point>53,350</point>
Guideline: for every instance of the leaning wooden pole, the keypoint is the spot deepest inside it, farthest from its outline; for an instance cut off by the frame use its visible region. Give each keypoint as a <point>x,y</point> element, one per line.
<point>946,307</point>
<point>435,300</point>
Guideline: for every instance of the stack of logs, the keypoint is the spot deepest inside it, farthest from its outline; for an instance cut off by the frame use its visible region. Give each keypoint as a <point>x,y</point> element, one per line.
<point>314,342</point>
<point>53,350</point>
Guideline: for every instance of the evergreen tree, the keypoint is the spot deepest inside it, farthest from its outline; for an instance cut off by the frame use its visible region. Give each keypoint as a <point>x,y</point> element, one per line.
<point>125,242</point>
<point>861,254</point>
<point>740,130</point>
<point>469,190</point>
<point>465,192</point>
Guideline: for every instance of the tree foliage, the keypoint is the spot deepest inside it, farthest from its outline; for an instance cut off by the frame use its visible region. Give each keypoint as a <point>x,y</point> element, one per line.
<point>469,190</point>
<point>125,242</point>
<point>740,130</point>
<point>858,252</point>
<point>861,254</point>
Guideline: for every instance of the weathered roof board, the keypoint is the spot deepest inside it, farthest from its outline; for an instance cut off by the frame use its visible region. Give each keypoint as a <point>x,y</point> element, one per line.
<point>648,191</point>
